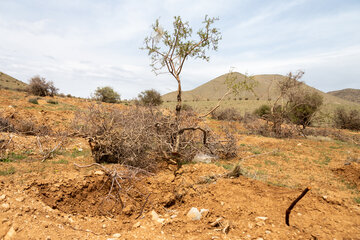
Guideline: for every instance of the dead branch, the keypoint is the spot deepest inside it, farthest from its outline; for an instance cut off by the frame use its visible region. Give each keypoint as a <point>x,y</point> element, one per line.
<point>217,105</point>
<point>292,205</point>
<point>142,208</point>
<point>49,153</point>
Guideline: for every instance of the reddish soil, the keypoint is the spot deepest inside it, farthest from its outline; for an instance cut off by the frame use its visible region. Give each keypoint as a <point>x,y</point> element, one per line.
<point>56,200</point>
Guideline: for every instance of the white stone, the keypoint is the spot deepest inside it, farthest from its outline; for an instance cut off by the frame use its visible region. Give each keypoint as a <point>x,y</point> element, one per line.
<point>5,206</point>
<point>116,235</point>
<point>261,218</point>
<point>204,212</point>
<point>203,158</point>
<point>155,217</point>
<point>194,214</point>
<point>99,172</point>
<point>2,197</point>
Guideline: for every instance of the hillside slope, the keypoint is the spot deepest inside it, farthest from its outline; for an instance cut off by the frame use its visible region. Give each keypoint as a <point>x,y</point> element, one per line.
<point>348,94</point>
<point>266,89</point>
<point>9,82</point>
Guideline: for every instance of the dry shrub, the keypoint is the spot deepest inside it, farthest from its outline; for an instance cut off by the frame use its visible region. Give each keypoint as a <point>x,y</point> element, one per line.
<point>29,127</point>
<point>347,119</point>
<point>141,137</point>
<point>333,134</point>
<point>228,114</point>
<point>5,125</point>
<point>6,145</point>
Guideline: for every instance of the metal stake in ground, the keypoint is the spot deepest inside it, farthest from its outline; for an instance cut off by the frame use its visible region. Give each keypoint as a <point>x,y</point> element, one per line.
<point>288,211</point>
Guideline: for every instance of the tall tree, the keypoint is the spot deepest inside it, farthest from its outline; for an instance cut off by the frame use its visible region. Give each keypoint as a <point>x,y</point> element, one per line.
<point>170,50</point>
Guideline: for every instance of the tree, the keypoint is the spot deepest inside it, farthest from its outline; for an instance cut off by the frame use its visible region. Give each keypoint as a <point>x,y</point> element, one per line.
<point>294,104</point>
<point>106,94</point>
<point>40,87</point>
<point>150,98</point>
<point>170,50</point>
<point>303,106</point>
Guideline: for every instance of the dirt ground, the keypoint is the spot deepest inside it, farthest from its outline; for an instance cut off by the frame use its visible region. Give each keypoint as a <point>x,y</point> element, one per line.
<point>55,199</point>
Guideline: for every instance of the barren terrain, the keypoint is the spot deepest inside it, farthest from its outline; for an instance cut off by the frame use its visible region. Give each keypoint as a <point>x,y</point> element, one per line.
<point>54,199</point>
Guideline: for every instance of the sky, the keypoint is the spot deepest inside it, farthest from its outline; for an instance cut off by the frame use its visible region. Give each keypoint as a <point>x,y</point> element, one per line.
<point>84,44</point>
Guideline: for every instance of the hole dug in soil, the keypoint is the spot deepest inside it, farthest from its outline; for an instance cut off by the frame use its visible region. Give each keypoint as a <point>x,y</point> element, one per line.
<point>90,197</point>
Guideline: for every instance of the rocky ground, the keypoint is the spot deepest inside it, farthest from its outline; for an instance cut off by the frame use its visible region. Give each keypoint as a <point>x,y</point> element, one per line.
<point>54,199</point>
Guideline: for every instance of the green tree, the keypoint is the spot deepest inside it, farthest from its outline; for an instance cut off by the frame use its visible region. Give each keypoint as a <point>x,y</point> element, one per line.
<point>106,94</point>
<point>170,50</point>
<point>150,98</point>
<point>303,106</point>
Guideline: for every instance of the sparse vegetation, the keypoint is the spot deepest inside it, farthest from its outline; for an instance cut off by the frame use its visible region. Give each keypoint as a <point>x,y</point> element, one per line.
<point>150,98</point>
<point>347,119</point>
<point>33,101</point>
<point>9,171</point>
<point>106,94</point>
<point>50,101</point>
<point>228,114</point>
<point>40,87</point>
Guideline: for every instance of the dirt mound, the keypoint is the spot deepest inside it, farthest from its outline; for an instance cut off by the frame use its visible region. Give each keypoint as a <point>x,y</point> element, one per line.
<point>351,173</point>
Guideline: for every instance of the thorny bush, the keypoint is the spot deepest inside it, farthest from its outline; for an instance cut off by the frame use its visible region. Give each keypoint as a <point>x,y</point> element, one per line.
<point>142,137</point>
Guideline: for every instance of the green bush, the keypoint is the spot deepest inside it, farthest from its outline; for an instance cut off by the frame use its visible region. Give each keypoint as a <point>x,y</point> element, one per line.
<point>303,108</point>
<point>150,98</point>
<point>107,94</point>
<point>263,111</point>
<point>33,100</point>
<point>50,101</point>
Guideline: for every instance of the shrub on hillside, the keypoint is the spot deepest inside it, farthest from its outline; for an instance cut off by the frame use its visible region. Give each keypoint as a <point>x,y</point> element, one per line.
<point>40,87</point>
<point>228,114</point>
<point>347,119</point>
<point>33,101</point>
<point>302,108</point>
<point>107,94</point>
<point>52,101</point>
<point>263,111</point>
<point>150,98</point>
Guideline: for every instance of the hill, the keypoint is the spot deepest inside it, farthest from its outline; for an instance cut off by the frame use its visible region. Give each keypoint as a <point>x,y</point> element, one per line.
<point>266,89</point>
<point>348,94</point>
<point>9,82</point>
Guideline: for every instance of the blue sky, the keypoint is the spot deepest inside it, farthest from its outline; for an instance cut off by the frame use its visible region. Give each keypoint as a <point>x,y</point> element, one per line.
<point>83,44</point>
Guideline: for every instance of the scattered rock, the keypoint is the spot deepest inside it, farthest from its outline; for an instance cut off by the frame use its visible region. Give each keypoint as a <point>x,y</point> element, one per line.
<point>116,235</point>
<point>267,231</point>
<point>5,206</point>
<point>203,158</point>
<point>136,225</point>
<point>99,172</point>
<point>2,197</point>
<point>48,238</point>
<point>20,199</point>
<point>204,212</point>
<point>155,217</point>
<point>194,214</point>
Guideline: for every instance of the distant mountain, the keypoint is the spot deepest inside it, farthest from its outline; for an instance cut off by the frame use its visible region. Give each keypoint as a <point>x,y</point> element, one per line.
<point>9,82</point>
<point>349,94</point>
<point>266,89</point>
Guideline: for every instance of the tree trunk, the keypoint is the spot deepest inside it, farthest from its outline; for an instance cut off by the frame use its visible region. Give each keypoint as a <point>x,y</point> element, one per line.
<point>179,101</point>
